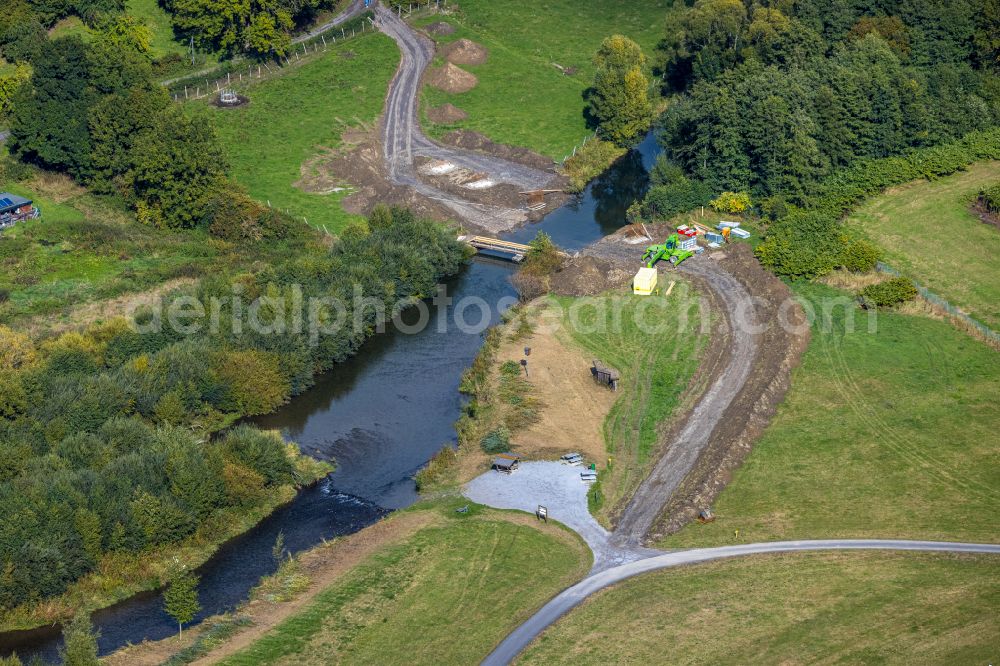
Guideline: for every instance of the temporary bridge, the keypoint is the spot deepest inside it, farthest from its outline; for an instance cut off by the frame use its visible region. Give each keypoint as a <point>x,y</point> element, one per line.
<point>513,251</point>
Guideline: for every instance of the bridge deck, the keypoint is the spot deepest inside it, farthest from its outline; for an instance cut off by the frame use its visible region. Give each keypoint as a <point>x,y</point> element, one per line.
<point>517,251</point>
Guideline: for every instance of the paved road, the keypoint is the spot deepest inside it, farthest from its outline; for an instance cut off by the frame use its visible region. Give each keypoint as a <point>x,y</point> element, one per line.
<point>573,596</point>
<point>356,8</point>
<point>402,138</point>
<point>682,453</point>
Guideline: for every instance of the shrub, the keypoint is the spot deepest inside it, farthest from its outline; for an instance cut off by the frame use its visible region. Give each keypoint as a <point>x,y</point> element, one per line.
<point>510,368</point>
<point>989,197</point>
<point>496,441</point>
<point>731,202</point>
<point>665,201</point>
<point>861,256</point>
<point>885,294</point>
<point>589,162</point>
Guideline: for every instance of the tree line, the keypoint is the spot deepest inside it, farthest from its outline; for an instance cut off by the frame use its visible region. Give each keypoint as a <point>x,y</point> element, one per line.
<point>106,439</point>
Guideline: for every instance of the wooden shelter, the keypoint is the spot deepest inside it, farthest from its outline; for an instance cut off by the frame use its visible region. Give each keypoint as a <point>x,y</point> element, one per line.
<point>605,375</point>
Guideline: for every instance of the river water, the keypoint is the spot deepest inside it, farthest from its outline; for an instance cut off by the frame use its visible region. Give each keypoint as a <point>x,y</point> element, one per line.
<point>381,415</point>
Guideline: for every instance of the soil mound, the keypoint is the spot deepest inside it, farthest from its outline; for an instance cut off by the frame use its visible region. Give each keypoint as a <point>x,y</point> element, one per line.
<point>469,140</point>
<point>588,276</point>
<point>440,28</point>
<point>464,52</point>
<point>451,79</point>
<point>446,114</point>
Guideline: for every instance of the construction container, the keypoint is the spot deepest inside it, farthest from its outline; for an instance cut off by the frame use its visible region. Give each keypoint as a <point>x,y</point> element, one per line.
<point>726,223</point>
<point>713,237</point>
<point>644,282</point>
<point>742,233</point>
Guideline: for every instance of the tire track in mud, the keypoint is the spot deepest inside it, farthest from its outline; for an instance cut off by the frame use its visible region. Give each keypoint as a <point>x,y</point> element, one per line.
<point>402,138</point>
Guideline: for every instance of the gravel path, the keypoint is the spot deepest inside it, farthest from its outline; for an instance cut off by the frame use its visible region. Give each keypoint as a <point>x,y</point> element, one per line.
<point>574,596</point>
<point>682,452</point>
<point>558,488</point>
<point>402,138</point>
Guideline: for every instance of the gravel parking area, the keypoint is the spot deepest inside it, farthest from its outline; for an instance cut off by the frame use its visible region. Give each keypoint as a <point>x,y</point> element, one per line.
<point>557,487</point>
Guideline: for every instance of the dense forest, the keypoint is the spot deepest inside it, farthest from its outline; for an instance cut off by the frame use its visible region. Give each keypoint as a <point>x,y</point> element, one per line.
<point>774,98</point>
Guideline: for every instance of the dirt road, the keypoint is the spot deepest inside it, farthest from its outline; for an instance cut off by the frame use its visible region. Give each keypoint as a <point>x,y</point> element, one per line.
<point>402,139</point>
<point>683,451</point>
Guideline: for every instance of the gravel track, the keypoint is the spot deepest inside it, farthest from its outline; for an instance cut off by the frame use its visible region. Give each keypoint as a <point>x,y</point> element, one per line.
<point>402,138</point>
<point>356,8</point>
<point>682,452</point>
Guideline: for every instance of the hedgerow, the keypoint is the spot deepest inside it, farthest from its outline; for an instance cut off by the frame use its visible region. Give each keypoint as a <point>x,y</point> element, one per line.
<point>807,240</point>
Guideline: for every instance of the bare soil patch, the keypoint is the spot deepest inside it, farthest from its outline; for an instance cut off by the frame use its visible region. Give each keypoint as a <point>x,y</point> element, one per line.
<point>464,52</point>
<point>474,141</point>
<point>440,28</point>
<point>446,114</point>
<point>451,79</point>
<point>985,215</point>
<point>588,276</point>
<point>779,350</point>
<point>575,406</point>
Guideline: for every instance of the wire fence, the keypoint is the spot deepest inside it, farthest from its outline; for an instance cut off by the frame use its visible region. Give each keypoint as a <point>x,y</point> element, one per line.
<point>938,302</point>
<point>577,147</point>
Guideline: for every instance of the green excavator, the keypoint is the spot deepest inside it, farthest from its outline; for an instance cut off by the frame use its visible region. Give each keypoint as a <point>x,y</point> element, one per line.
<point>668,251</point>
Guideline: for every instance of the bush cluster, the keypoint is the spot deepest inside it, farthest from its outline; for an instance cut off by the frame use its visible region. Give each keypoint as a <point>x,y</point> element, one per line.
<point>989,198</point>
<point>105,433</point>
<point>888,293</point>
<point>807,240</point>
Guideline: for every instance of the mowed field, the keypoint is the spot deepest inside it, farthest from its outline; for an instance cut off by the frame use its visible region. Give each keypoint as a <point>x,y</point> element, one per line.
<point>930,235</point>
<point>885,433</point>
<point>522,98</point>
<point>858,608</point>
<point>444,596</point>
<point>299,114</point>
<point>655,344</point>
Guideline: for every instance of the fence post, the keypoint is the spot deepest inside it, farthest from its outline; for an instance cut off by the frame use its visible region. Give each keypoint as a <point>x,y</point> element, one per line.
<point>185,92</point>
<point>324,41</point>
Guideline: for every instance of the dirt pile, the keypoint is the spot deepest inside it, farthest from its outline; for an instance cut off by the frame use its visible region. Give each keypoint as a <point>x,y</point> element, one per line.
<point>464,52</point>
<point>451,79</point>
<point>446,114</point>
<point>588,276</point>
<point>440,28</point>
<point>469,140</point>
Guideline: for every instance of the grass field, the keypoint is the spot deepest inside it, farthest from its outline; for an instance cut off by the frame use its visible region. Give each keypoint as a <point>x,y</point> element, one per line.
<point>522,98</point>
<point>885,434</point>
<point>656,363</point>
<point>294,116</point>
<point>859,608</point>
<point>83,249</point>
<point>444,596</point>
<point>930,235</point>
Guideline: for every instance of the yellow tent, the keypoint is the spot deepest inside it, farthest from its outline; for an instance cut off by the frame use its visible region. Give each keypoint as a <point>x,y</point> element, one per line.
<point>645,281</point>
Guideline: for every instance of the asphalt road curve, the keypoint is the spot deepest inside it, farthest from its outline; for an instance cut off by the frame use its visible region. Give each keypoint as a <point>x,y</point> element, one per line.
<point>573,596</point>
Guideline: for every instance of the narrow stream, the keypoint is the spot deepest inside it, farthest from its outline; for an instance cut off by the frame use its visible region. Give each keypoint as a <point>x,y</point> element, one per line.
<point>381,415</point>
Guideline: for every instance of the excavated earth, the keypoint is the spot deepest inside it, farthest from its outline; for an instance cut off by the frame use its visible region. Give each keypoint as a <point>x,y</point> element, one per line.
<point>446,114</point>
<point>464,52</point>
<point>451,78</point>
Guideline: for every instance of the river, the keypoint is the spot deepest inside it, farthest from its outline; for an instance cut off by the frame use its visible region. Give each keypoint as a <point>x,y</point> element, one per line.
<point>381,415</point>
